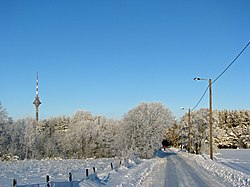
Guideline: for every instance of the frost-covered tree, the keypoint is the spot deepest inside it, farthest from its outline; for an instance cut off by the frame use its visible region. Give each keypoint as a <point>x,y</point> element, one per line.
<point>199,130</point>
<point>140,133</point>
<point>17,134</point>
<point>104,141</point>
<point>143,127</point>
<point>174,135</point>
<point>234,127</point>
<point>5,133</point>
<point>83,128</point>
<point>89,136</point>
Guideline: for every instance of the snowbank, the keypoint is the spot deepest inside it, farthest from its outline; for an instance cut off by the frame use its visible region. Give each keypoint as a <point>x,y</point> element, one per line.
<point>236,178</point>
<point>137,175</point>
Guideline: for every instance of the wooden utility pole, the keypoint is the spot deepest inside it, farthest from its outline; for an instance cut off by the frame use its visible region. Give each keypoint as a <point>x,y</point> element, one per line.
<point>211,119</point>
<point>189,131</point>
<point>210,114</point>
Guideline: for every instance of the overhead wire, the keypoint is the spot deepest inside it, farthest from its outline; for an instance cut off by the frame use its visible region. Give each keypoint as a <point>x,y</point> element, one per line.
<point>200,98</point>
<point>221,74</point>
<point>231,63</point>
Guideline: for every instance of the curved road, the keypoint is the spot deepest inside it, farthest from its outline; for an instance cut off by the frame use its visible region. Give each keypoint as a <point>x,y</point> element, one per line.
<point>183,173</point>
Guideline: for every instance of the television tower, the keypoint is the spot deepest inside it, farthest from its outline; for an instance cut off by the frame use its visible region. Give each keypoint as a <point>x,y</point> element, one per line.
<point>37,102</point>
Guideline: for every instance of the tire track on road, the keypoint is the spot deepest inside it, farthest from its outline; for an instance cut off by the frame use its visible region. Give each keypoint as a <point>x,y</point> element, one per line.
<point>180,173</point>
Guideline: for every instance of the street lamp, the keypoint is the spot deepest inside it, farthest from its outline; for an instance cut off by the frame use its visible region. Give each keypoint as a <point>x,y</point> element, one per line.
<point>210,113</point>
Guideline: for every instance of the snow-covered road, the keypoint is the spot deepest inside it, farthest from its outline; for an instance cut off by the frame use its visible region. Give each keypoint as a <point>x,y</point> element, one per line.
<point>180,172</point>
<point>176,168</point>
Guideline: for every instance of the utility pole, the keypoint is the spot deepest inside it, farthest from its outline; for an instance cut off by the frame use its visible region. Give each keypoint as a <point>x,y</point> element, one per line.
<point>189,131</point>
<point>210,114</point>
<point>210,119</point>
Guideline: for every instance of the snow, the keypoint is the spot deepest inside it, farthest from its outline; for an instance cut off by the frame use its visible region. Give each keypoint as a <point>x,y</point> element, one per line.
<point>228,174</point>
<point>183,171</point>
<point>195,169</point>
<point>238,159</point>
<point>32,173</point>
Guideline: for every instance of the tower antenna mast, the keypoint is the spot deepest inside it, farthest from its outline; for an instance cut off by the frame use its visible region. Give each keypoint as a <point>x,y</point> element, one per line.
<point>37,102</point>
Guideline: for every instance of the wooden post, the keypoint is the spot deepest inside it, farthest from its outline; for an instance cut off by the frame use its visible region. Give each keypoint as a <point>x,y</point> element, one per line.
<point>196,148</point>
<point>47,180</point>
<point>87,172</point>
<point>14,182</point>
<point>70,177</point>
<point>111,166</point>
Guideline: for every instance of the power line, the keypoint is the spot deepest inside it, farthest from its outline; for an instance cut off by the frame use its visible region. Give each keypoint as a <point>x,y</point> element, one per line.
<point>200,98</point>
<point>231,63</point>
<point>221,74</point>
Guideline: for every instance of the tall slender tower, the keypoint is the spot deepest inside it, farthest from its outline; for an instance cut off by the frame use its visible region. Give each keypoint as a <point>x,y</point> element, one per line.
<point>37,102</point>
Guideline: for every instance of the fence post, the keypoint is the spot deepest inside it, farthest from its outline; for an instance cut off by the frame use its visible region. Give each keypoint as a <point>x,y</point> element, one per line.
<point>47,180</point>
<point>14,182</point>
<point>87,172</point>
<point>111,166</point>
<point>70,177</point>
<point>94,169</point>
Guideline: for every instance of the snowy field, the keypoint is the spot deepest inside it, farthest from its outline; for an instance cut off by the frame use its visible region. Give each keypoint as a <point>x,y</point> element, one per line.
<point>32,173</point>
<point>238,159</point>
<point>148,173</point>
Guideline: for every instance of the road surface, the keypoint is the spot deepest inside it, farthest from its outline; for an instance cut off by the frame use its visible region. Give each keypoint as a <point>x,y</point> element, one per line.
<point>175,171</point>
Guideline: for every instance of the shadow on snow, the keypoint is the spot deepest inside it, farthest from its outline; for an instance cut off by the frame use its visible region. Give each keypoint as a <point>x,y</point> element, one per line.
<point>164,154</point>
<point>93,177</point>
<point>54,184</point>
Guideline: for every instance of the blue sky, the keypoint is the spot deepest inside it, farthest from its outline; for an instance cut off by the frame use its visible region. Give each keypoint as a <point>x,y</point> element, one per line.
<point>109,56</point>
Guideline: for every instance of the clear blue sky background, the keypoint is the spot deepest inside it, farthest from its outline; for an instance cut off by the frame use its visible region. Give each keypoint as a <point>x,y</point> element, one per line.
<point>108,56</point>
